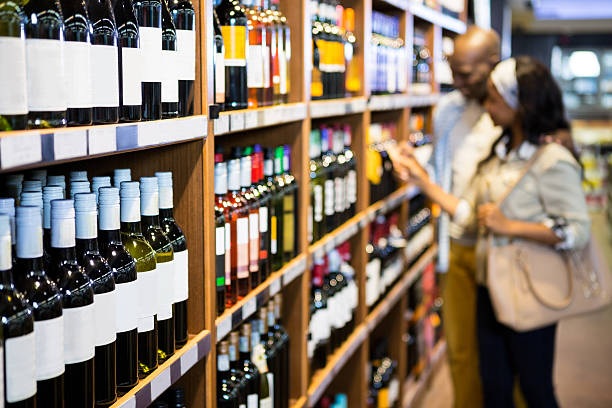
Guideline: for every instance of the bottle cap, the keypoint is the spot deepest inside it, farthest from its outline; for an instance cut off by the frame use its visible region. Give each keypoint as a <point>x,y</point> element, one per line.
<point>164,180</point>
<point>108,200</point>
<point>86,212</point>
<point>6,243</point>
<point>78,176</point>
<point>220,178</point>
<point>29,233</point>
<point>286,158</point>
<point>79,186</point>
<point>245,171</point>
<point>98,182</point>
<point>121,175</point>
<point>85,202</point>
<point>130,189</point>
<point>57,181</point>
<point>7,206</point>
<point>62,209</point>
<point>40,174</point>
<point>5,225</point>
<point>50,193</point>
<point>32,198</point>
<point>234,175</point>
<point>149,196</point>
<point>108,195</point>
<point>31,185</point>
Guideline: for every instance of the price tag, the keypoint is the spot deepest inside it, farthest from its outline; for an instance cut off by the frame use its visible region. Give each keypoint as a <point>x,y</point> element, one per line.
<point>223,328</point>
<point>149,133</point>
<point>70,143</point>
<point>102,139</point>
<point>294,272</point>
<point>272,116</point>
<point>299,112</point>
<point>330,245</point>
<point>250,119</point>
<point>20,149</point>
<point>131,403</point>
<point>275,287</point>
<point>237,122</point>
<point>189,359</point>
<point>249,308</point>
<point>221,125</point>
<point>160,383</point>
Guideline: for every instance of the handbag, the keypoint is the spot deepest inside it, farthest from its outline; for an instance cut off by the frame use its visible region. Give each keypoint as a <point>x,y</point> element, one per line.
<point>532,285</point>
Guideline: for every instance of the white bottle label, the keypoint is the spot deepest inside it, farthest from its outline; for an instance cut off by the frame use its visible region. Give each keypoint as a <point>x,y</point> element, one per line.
<point>339,195</point>
<point>219,241</point>
<point>45,74</point>
<point>170,93</point>
<point>49,348</point>
<point>62,233</point>
<point>79,334</point>
<point>77,75</point>
<point>110,217</point>
<point>151,46</point>
<point>253,401</point>
<point>147,297</point>
<point>126,315</point>
<point>265,403</point>
<point>254,225</point>
<point>329,197</point>
<point>228,253</point>
<point>242,243</point>
<point>131,71</point>
<point>20,368</point>
<point>283,71</point>
<point>165,289</point>
<point>186,46</point>
<point>223,363</point>
<point>220,77</point>
<point>255,66</point>
<point>318,203</point>
<point>263,219</point>
<point>105,75</point>
<point>181,276</point>
<point>106,329</point>
<point>270,377</point>
<point>13,98</point>
<point>266,66</point>
<point>86,225</point>
<point>324,327</point>
<point>2,393</point>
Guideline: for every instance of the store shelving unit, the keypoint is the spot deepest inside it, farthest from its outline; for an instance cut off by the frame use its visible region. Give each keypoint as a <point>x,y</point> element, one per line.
<point>186,146</point>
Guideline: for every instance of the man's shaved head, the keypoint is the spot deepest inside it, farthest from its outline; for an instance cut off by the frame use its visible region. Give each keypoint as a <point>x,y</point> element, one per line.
<point>476,53</point>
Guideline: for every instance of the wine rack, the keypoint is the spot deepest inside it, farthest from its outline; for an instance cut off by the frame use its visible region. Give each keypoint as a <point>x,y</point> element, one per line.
<point>186,146</point>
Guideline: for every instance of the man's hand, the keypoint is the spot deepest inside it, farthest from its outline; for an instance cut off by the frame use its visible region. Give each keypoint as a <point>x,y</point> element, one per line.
<point>491,217</point>
<point>405,165</point>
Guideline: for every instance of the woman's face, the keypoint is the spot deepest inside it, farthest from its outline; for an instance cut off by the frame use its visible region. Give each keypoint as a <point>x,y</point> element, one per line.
<point>502,114</point>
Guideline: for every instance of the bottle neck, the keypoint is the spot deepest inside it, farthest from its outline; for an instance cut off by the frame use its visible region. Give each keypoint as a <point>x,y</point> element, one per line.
<point>63,254</point>
<point>131,227</point>
<point>84,246</point>
<point>150,221</point>
<point>33,266</point>
<point>6,277</point>
<point>107,238</point>
<point>166,214</point>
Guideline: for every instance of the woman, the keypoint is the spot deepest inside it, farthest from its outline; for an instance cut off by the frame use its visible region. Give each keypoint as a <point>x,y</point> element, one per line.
<point>547,206</point>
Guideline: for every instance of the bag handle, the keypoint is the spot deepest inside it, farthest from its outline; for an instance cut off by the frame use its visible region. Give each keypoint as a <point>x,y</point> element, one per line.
<point>558,306</point>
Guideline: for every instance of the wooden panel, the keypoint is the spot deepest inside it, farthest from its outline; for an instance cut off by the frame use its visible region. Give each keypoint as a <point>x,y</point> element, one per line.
<point>298,19</point>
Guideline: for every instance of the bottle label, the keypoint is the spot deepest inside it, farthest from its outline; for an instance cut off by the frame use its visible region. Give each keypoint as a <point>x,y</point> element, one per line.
<point>372,281</point>
<point>253,242</point>
<point>242,247</point>
<point>13,98</point>
<point>253,401</point>
<point>220,241</point>
<point>181,276</point>
<point>351,187</point>
<point>328,202</point>
<point>62,233</point>
<point>258,356</point>
<point>79,334</point>
<point>283,71</point>
<point>105,71</point>
<point>110,218</point>
<point>131,72</point>
<point>270,377</point>
<point>165,289</point>
<point>219,78</point>
<point>228,253</point>
<point>147,297</point>
<point>234,39</point>
<point>310,223</point>
<point>339,198</point>
<point>49,336</point>
<point>273,235</point>
<point>106,329</point>
<point>288,223</point>
<point>186,46</point>
<point>151,46</point>
<point>20,368</point>
<point>29,243</point>
<point>265,402</point>
<point>86,225</point>
<point>324,326</point>
<point>266,66</point>
<point>78,80</point>
<point>223,363</point>
<point>263,219</point>
<point>45,74</point>
<point>219,257</point>
<point>255,71</point>
<point>170,59</point>
<point>318,203</point>
<point>126,311</point>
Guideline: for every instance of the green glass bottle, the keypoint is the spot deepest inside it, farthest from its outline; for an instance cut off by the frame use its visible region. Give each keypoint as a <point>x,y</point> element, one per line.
<point>277,202</point>
<point>146,267</point>
<point>316,216</point>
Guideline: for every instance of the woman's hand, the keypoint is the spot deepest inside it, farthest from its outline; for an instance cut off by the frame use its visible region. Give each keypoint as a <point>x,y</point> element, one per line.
<point>491,217</point>
<point>406,166</point>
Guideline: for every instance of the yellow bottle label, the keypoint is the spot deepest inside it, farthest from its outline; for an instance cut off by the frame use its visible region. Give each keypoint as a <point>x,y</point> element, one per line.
<point>288,224</point>
<point>273,235</point>
<point>234,39</point>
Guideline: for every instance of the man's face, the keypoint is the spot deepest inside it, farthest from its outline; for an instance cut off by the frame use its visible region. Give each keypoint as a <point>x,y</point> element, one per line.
<point>470,73</point>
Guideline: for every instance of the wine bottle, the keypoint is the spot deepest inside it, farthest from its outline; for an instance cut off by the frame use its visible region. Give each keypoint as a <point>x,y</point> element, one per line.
<point>255,53</point>
<point>183,15</point>
<point>219,63</point>
<point>271,356</point>
<point>234,30</point>
<point>130,71</point>
<point>220,230</point>
<point>98,182</point>
<point>126,288</point>
<point>45,64</point>
<point>258,357</point>
<point>146,266</point>
<point>290,228</point>
<point>239,228</point>
<point>77,63</point>
<point>316,182</point>
<point>50,193</point>
<point>105,297</point>
<point>104,62</point>
<point>339,173</point>
<point>44,297</point>
<point>320,322</point>
<point>271,164</point>
<point>17,324</point>
<point>351,174</point>
<point>31,185</point>
<point>164,257</point>
<point>244,364</point>
<point>121,175</point>
<point>237,375</point>
<point>181,256</point>
<point>264,212</point>
<point>280,337</point>
<point>7,207</point>
<point>58,181</point>
<point>79,187</point>
<point>252,203</point>
<point>149,18</point>
<point>281,54</point>
<point>328,161</point>
<point>78,307</point>
<point>13,100</point>
<point>227,392</point>
<point>171,61</point>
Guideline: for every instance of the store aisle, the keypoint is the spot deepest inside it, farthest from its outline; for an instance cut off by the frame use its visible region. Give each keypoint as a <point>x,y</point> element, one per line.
<point>583,372</point>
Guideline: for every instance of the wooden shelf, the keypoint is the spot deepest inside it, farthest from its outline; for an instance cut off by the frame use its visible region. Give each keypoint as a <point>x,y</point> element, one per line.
<point>435,17</point>
<point>399,4</point>
<point>167,374</point>
<point>242,310</point>
<point>337,107</point>
<point>43,147</point>
<point>401,101</point>
<point>249,119</point>
<point>413,388</point>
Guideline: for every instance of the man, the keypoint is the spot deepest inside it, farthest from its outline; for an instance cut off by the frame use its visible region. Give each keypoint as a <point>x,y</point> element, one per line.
<point>464,134</point>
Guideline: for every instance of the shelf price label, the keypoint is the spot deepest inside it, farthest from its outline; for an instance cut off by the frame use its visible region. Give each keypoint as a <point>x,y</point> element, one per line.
<point>189,359</point>
<point>69,144</point>
<point>160,383</point>
<point>21,149</point>
<point>102,139</point>
<point>249,308</point>
<point>237,122</point>
<point>250,120</point>
<point>223,328</point>
<point>275,287</point>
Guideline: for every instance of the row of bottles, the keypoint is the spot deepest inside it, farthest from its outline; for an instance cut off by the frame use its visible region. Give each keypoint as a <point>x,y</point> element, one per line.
<point>252,54</point>
<point>384,385</point>
<point>335,71</point>
<point>419,137</point>
<point>422,60</point>
<point>388,55</point>
<point>333,180</point>
<point>171,398</point>
<point>71,62</point>
<point>379,168</point>
<point>385,257</point>
<point>333,304</point>
<point>253,362</point>
<point>255,218</point>
<point>419,229</point>
<point>94,286</point>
